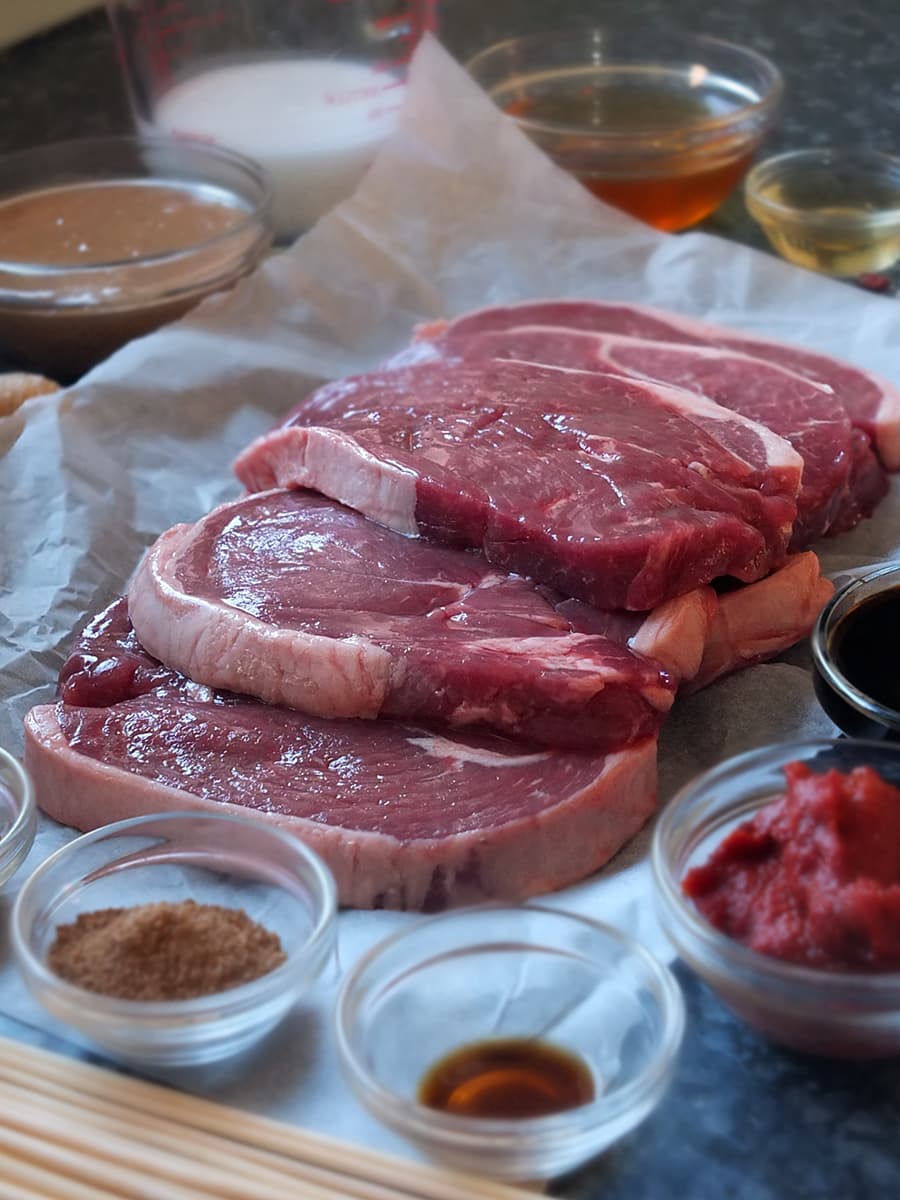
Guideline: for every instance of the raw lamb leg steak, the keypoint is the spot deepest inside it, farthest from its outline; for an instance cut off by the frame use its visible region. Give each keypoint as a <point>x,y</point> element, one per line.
<point>292,599</point>
<point>404,815</point>
<point>615,491</point>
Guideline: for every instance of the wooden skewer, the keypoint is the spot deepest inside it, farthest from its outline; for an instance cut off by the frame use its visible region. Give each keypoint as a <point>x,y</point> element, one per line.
<point>117,1134</point>
<point>224,1177</point>
<point>42,1184</point>
<point>405,1178</point>
<point>21,1192</point>
<point>87,1167</point>
<point>261,1165</point>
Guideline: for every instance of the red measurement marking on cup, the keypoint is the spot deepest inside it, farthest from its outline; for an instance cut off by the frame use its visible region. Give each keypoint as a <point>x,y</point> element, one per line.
<point>391,64</point>
<point>386,110</point>
<point>165,31</point>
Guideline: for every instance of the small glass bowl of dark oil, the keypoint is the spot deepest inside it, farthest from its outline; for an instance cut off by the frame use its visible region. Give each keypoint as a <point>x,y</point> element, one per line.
<point>513,1042</point>
<point>856,655</point>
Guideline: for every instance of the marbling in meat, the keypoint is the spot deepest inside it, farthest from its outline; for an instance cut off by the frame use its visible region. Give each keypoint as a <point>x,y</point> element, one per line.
<point>616,491</point>
<point>296,600</point>
<point>405,815</point>
<point>842,481</point>
<point>873,403</point>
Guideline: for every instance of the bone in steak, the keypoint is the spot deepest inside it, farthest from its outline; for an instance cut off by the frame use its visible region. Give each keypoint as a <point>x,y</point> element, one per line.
<point>296,600</point>
<point>616,491</point>
<point>405,816</point>
<point>872,403</point>
<point>805,413</point>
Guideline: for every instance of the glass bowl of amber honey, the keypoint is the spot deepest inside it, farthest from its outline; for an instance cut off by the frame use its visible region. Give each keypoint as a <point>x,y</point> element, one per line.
<point>513,1042</point>
<point>660,124</point>
<point>175,938</point>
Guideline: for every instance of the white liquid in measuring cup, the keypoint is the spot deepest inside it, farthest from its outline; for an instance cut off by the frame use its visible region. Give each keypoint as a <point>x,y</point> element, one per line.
<point>314,124</point>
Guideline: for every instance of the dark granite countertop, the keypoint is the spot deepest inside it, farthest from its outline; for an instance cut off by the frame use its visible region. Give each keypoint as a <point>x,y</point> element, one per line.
<point>743,1119</point>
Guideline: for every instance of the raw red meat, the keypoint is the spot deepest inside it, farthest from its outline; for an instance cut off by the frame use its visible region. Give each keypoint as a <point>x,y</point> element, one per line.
<point>803,412</point>
<point>404,815</point>
<point>872,402</point>
<point>619,492</point>
<point>704,634</point>
<point>752,624</point>
<point>295,600</point>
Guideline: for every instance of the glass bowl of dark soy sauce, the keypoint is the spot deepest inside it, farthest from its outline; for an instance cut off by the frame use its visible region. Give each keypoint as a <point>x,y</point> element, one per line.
<point>511,1041</point>
<point>856,655</point>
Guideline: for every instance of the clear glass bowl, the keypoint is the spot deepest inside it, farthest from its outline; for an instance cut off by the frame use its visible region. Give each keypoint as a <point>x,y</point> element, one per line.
<point>831,210</point>
<point>212,858</point>
<point>63,319</point>
<point>660,124</point>
<point>18,816</point>
<point>510,972</point>
<point>834,1013</point>
<point>851,709</point>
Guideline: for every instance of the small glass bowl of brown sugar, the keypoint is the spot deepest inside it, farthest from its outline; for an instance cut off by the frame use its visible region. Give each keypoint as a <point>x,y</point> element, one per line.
<point>177,938</point>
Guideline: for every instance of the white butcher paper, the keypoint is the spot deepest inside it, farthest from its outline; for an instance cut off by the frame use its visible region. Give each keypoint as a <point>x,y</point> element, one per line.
<point>458,211</point>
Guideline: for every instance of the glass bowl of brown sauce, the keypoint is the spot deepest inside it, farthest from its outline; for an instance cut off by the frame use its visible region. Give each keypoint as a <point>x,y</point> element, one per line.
<point>105,239</point>
<point>513,1042</point>
<point>175,938</point>
<point>658,123</point>
<point>856,655</point>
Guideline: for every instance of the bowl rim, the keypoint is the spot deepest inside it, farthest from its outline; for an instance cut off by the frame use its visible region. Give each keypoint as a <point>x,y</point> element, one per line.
<point>765,105</point>
<point>827,666</point>
<point>150,1012</point>
<point>255,217</point>
<point>451,1127</point>
<point>748,962</point>
<point>27,806</point>
<point>820,156</point>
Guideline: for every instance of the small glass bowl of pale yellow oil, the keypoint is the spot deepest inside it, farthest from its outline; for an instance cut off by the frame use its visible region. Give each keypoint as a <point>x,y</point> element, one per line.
<point>660,124</point>
<point>830,210</point>
<point>513,1042</point>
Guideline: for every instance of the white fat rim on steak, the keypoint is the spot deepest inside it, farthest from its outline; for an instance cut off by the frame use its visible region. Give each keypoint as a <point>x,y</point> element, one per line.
<point>228,648</point>
<point>341,468</point>
<point>611,341</point>
<point>886,419</point>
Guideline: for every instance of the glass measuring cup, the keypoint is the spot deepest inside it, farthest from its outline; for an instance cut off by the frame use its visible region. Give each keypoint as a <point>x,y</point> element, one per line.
<point>310,90</point>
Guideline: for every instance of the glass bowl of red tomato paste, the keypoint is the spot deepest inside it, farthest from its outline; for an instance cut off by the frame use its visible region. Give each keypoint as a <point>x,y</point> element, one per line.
<point>778,881</point>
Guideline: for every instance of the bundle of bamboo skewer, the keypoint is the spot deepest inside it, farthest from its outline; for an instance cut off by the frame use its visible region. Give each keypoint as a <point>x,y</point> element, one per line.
<point>74,1131</point>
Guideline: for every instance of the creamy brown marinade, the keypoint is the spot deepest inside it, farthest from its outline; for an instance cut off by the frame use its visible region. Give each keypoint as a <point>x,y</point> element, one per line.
<point>88,223</point>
